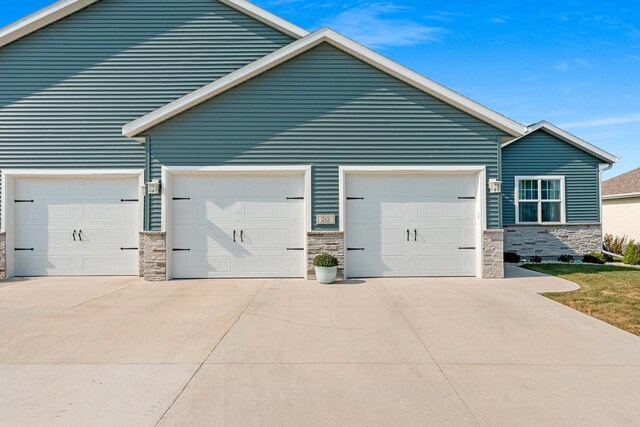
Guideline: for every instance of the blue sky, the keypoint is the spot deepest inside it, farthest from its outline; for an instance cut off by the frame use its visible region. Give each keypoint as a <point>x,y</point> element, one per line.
<point>573,63</point>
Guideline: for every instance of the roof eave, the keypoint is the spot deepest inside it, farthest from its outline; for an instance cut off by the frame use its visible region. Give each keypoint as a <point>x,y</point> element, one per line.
<point>569,139</point>
<point>621,196</point>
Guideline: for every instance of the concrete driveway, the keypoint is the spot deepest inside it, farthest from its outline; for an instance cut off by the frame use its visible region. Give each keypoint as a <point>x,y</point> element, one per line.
<point>118,351</point>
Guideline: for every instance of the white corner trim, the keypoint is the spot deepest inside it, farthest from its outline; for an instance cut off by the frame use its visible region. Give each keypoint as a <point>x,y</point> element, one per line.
<point>266,17</point>
<point>64,8</point>
<point>302,45</point>
<point>621,196</point>
<point>539,200</point>
<point>569,139</point>
<point>481,196</point>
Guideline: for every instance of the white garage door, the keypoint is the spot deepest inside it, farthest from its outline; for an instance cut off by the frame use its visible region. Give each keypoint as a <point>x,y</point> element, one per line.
<point>411,225</point>
<point>238,226</point>
<point>76,226</point>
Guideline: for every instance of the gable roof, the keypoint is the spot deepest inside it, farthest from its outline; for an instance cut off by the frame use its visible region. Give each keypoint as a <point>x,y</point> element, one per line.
<point>625,185</point>
<point>569,139</point>
<point>298,47</point>
<point>64,8</point>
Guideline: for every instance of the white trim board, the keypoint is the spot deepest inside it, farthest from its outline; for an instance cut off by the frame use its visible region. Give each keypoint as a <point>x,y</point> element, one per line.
<point>8,180</point>
<point>569,139</point>
<point>272,60</point>
<point>166,194</point>
<point>621,196</point>
<point>481,197</point>
<point>64,8</point>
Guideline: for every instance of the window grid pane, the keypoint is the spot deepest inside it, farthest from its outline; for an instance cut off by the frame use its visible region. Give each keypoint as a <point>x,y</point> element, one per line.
<point>550,189</point>
<point>528,212</point>
<point>551,212</point>
<point>528,189</point>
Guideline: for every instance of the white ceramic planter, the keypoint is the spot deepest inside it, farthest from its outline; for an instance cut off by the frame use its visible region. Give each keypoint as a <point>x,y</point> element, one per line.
<point>326,275</point>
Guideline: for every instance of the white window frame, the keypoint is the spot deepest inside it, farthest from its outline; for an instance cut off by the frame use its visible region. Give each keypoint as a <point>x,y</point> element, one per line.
<point>540,178</point>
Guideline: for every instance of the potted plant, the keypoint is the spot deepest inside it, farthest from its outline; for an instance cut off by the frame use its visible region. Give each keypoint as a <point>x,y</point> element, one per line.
<point>326,268</point>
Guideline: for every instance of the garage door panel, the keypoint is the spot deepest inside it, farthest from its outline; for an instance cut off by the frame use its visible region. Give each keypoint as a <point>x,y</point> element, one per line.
<point>446,185</point>
<point>206,186</point>
<point>436,211</point>
<point>29,263</point>
<point>256,205</point>
<point>62,205</point>
<point>373,211</point>
<point>376,264</point>
<point>451,264</point>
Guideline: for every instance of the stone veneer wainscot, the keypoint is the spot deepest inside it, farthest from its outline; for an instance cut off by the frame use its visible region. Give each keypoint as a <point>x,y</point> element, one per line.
<point>553,240</point>
<point>325,241</point>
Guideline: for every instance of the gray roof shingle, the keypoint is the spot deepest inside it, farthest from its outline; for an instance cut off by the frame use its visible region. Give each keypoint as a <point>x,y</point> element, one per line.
<point>622,184</point>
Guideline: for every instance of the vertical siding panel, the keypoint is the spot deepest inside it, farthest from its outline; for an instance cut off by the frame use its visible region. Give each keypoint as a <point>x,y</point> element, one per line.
<point>543,154</point>
<point>67,89</point>
<point>327,109</point>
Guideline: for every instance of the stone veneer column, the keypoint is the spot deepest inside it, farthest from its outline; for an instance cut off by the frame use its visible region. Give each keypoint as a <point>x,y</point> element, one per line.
<point>325,241</point>
<point>153,255</point>
<point>3,256</point>
<point>493,254</point>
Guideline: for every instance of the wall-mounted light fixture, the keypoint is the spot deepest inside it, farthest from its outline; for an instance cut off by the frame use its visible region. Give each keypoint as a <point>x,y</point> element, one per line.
<point>495,186</point>
<point>153,187</point>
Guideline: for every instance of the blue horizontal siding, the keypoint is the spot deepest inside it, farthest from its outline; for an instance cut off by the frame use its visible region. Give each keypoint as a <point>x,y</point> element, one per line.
<point>324,108</point>
<point>543,154</point>
<point>67,89</point>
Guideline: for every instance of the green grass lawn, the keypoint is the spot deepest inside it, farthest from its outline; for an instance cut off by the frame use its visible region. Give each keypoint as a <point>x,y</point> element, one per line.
<point>609,293</point>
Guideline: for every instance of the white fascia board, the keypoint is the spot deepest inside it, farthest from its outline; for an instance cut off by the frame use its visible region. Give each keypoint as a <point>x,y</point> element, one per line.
<point>266,18</point>
<point>302,45</point>
<point>569,139</point>
<point>621,196</point>
<point>64,8</point>
<point>40,19</point>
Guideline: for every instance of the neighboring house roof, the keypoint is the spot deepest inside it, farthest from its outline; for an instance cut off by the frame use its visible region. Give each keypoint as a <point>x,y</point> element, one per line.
<point>622,186</point>
<point>569,139</point>
<point>64,8</point>
<point>298,47</point>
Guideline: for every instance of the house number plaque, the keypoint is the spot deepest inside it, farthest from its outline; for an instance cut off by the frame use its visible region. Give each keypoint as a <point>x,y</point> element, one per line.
<point>325,219</point>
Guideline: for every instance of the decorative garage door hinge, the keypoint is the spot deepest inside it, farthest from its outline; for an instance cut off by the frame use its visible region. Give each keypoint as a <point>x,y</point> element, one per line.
<point>355,249</point>
<point>295,198</point>
<point>128,200</point>
<point>466,198</point>
<point>180,250</point>
<point>182,198</point>
<point>355,198</point>
<point>23,249</point>
<point>128,249</point>
<point>467,247</point>
<point>23,201</point>
<point>295,249</point>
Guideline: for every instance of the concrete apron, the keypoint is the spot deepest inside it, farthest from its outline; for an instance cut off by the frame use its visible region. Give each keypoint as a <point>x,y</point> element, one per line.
<point>97,351</point>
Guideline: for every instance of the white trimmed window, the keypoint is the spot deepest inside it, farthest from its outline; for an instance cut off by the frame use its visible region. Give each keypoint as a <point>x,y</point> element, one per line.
<point>540,199</point>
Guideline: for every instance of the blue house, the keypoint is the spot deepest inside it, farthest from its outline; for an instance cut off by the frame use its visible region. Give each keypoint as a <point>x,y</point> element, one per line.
<point>210,138</point>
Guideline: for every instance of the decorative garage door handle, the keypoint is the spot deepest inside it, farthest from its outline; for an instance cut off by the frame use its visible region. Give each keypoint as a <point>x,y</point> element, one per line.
<point>234,235</point>
<point>80,235</point>
<point>415,235</point>
<point>408,234</point>
<point>74,235</point>
<point>242,235</point>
